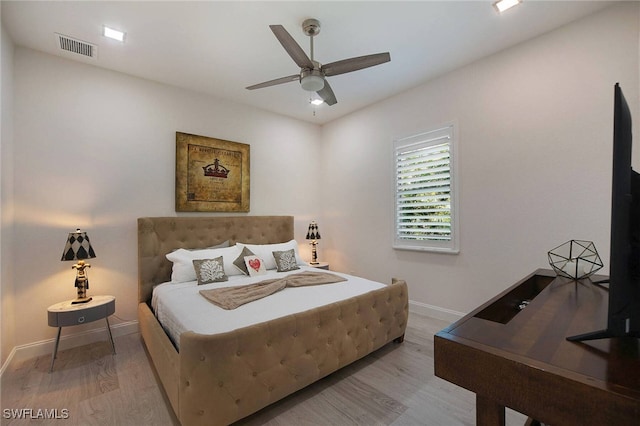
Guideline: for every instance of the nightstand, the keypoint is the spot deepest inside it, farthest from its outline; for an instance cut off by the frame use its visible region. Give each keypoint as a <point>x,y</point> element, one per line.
<point>65,314</point>
<point>320,265</point>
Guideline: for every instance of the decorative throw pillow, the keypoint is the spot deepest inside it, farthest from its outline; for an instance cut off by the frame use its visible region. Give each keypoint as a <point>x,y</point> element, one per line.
<point>182,260</point>
<point>239,262</point>
<point>210,270</point>
<point>285,260</point>
<point>255,265</point>
<point>265,251</point>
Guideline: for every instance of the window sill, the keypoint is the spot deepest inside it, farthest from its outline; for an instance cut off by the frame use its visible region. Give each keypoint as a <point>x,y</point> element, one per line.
<point>443,250</point>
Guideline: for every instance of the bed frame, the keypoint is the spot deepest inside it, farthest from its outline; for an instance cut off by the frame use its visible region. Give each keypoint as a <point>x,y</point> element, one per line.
<point>218,379</point>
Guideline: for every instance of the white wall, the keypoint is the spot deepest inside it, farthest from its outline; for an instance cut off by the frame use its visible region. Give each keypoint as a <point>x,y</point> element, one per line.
<point>95,149</point>
<point>7,330</point>
<point>535,132</point>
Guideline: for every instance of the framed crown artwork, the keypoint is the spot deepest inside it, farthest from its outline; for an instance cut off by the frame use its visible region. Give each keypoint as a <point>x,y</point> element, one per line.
<point>212,175</point>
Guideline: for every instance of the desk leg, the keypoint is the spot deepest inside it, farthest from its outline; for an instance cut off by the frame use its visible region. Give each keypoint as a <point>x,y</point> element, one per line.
<point>488,412</point>
<point>113,347</point>
<point>55,350</point>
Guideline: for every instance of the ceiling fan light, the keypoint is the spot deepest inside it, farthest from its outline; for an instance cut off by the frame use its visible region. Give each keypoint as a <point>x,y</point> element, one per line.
<point>312,83</point>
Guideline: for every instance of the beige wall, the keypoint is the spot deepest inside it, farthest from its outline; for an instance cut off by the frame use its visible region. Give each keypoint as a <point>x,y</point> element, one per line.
<point>95,149</point>
<point>7,313</point>
<point>535,142</point>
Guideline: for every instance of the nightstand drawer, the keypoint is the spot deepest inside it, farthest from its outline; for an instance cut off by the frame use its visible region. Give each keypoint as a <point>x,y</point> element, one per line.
<point>81,316</point>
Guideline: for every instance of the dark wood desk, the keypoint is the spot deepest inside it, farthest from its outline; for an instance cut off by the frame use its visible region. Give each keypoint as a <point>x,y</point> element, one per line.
<point>514,355</point>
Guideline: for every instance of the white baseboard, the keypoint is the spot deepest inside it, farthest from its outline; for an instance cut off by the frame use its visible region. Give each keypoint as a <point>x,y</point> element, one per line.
<point>435,311</point>
<point>6,363</point>
<point>44,347</point>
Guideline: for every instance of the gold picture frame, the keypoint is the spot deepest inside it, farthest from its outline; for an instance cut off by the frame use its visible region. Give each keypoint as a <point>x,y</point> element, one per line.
<point>212,175</point>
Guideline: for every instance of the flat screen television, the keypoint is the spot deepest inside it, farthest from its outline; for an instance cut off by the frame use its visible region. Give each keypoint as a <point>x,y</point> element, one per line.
<point>623,316</point>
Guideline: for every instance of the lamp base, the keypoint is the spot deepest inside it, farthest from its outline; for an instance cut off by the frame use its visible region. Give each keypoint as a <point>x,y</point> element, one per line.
<point>82,300</point>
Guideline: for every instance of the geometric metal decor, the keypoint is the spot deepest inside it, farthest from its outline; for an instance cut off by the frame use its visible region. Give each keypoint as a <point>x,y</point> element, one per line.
<point>575,259</point>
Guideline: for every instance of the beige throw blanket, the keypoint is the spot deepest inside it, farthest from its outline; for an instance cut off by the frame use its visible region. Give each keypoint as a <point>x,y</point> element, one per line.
<point>232,297</point>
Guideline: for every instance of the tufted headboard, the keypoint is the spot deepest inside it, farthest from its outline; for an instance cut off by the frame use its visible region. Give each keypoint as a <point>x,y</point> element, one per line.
<point>158,236</point>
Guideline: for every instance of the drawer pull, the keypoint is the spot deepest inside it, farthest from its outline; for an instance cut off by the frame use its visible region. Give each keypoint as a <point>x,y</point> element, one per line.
<point>80,320</point>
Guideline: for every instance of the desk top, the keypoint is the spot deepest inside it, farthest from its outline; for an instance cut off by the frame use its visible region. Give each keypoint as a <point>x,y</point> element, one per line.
<point>531,338</point>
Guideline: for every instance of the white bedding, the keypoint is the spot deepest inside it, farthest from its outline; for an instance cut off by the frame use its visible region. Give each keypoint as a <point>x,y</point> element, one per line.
<point>179,306</point>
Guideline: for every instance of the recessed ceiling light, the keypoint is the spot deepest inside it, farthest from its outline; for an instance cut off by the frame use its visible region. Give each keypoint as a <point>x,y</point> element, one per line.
<point>502,5</point>
<point>114,34</point>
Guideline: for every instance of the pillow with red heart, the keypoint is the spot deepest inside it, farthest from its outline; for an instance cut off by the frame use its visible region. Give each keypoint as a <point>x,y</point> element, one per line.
<point>255,265</point>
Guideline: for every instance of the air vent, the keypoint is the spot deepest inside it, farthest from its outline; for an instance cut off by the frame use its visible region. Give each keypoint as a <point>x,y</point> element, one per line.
<point>75,46</point>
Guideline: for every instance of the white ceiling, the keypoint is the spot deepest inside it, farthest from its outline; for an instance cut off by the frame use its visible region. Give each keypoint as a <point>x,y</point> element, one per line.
<point>219,48</point>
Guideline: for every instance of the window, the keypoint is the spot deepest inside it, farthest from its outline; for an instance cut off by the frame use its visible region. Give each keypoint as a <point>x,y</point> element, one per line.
<point>425,206</point>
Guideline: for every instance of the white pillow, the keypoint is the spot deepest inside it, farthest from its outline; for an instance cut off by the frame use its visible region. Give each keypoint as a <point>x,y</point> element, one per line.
<point>183,269</point>
<point>265,252</point>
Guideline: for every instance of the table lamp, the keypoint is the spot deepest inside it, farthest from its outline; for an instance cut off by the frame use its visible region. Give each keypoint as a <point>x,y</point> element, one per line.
<point>78,247</point>
<point>313,234</point>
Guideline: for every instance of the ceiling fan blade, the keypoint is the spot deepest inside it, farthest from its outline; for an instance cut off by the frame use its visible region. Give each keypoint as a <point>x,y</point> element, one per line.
<point>327,94</point>
<point>293,49</point>
<point>281,80</point>
<point>354,64</point>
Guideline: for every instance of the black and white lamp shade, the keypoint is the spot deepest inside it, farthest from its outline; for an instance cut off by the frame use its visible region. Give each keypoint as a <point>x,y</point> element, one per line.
<point>78,247</point>
<point>313,233</point>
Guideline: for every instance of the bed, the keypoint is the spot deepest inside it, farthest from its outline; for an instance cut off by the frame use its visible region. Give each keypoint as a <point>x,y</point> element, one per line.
<point>217,379</point>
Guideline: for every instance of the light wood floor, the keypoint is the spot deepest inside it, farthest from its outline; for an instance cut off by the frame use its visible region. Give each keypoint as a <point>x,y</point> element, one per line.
<point>393,386</point>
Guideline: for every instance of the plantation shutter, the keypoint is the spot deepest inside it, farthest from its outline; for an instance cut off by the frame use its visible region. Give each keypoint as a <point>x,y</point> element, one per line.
<point>425,207</point>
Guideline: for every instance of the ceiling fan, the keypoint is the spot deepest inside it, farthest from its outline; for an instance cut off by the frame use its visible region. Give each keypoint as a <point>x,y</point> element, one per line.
<point>312,76</point>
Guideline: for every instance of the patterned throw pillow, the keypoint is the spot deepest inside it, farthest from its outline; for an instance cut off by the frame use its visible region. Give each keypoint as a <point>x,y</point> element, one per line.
<point>255,266</point>
<point>239,262</point>
<point>285,260</point>
<point>210,270</point>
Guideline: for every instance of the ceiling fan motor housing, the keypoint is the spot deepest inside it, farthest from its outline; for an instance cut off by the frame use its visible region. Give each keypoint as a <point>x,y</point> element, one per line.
<point>311,27</point>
